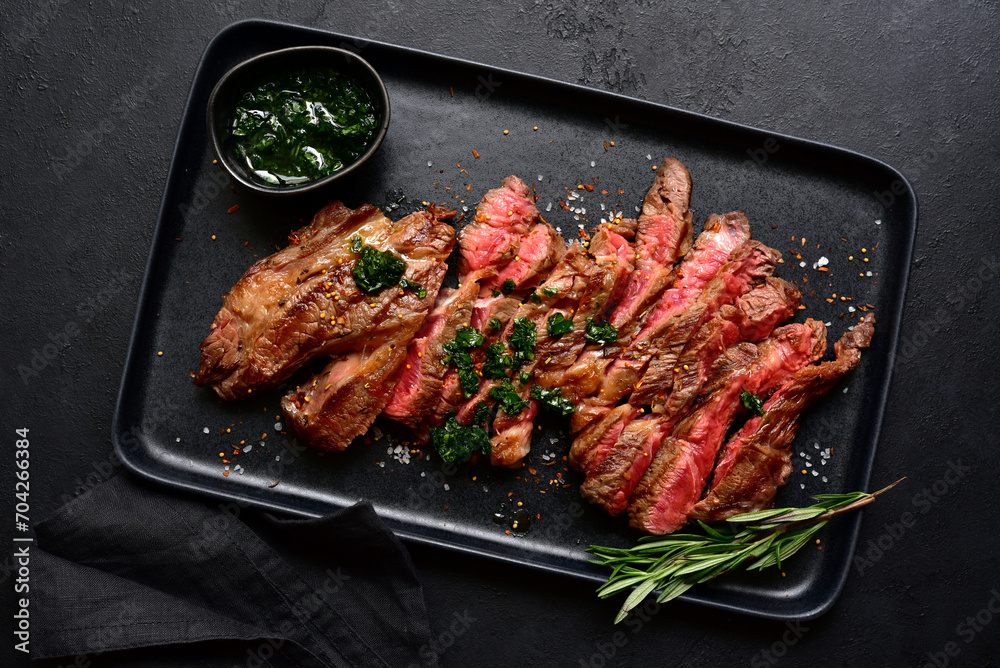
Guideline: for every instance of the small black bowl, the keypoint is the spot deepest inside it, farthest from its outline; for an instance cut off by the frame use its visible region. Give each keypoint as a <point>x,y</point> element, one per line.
<point>251,73</point>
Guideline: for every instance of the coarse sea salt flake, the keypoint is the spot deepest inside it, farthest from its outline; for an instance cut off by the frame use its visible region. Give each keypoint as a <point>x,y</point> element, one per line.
<point>429,163</point>
<point>549,206</point>
<point>878,222</point>
<point>802,264</point>
<point>593,164</point>
<point>446,487</point>
<point>277,426</point>
<point>205,430</point>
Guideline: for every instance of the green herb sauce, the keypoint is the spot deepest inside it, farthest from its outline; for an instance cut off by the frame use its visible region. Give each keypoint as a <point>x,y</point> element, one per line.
<point>303,126</point>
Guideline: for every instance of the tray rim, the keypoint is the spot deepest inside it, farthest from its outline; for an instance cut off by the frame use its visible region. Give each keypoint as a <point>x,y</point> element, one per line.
<point>850,524</point>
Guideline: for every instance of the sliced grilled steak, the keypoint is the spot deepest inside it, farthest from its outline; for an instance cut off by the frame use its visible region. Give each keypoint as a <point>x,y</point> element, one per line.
<point>597,275</point>
<point>757,460</point>
<point>749,265</point>
<point>540,250</point>
<point>592,445</point>
<point>564,288</point>
<point>611,483</point>
<point>303,302</point>
<point>484,310</point>
<point>422,380</point>
<point>722,235</point>
<point>606,277</point>
<point>343,401</point>
<point>675,480</point>
<point>503,217</point>
<point>663,235</point>
<point>751,318</point>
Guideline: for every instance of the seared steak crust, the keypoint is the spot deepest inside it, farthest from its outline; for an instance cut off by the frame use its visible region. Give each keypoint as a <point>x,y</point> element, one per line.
<point>302,302</point>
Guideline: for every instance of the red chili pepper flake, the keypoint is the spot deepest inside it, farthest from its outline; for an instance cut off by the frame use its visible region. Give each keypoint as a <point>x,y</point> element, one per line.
<point>234,208</point>
<point>275,483</point>
<point>475,154</point>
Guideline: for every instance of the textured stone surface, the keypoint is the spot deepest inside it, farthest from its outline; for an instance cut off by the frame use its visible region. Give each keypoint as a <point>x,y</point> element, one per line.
<point>92,96</point>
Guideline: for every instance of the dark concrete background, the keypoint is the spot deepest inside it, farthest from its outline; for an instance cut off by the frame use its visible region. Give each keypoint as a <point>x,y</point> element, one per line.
<point>916,86</point>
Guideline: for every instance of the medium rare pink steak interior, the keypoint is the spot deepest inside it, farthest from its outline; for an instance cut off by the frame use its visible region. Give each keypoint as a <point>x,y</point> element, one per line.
<point>654,348</point>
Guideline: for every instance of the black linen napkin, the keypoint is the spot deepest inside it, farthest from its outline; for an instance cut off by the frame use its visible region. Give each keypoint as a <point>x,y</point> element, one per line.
<point>128,565</point>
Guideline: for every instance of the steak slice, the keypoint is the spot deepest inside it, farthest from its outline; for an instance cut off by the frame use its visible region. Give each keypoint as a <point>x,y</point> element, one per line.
<point>343,401</point>
<point>540,250</point>
<point>751,318</point>
<point>722,235</point>
<point>493,238</point>
<point>663,234</point>
<point>675,480</point>
<point>612,481</point>
<point>592,445</point>
<point>598,275</point>
<point>484,310</point>
<point>749,265</point>
<point>757,460</point>
<point>421,382</point>
<point>564,288</point>
<point>611,266</point>
<point>302,302</point>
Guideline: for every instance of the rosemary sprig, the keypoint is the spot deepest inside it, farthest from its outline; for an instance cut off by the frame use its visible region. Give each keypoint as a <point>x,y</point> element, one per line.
<point>675,563</point>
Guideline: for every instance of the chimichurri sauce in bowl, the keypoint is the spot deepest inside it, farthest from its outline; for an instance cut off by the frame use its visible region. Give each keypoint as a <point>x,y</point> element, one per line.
<point>297,120</point>
<point>302,126</point>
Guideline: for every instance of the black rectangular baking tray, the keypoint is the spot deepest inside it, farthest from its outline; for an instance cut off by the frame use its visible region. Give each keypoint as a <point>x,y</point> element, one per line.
<point>798,195</point>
